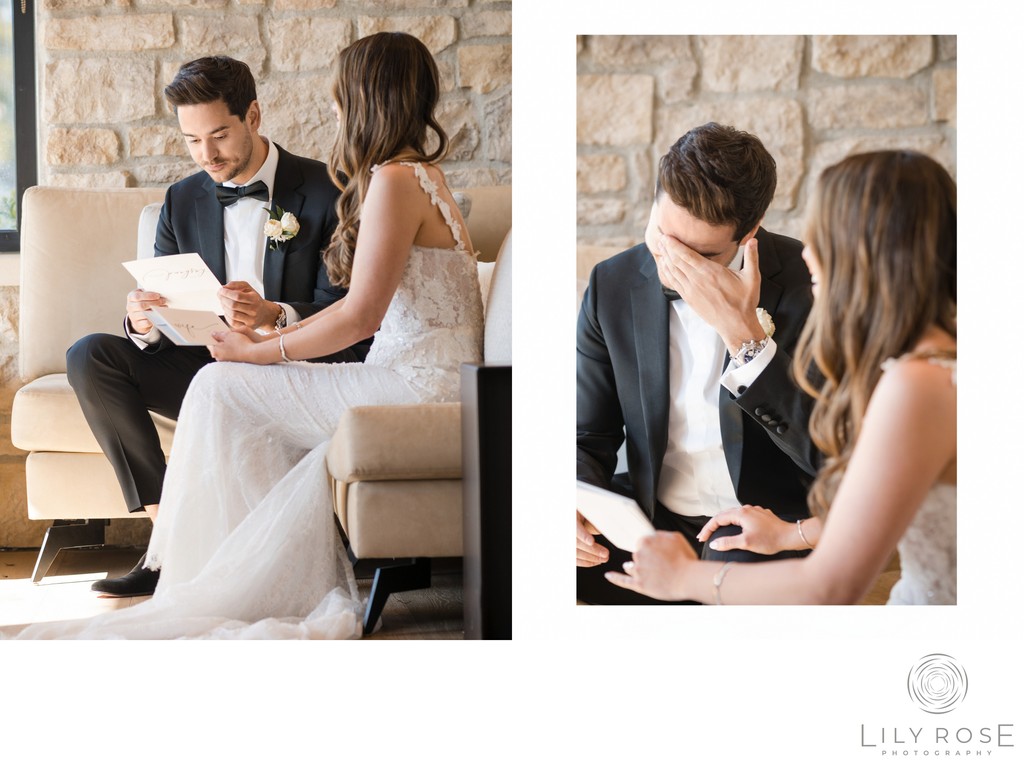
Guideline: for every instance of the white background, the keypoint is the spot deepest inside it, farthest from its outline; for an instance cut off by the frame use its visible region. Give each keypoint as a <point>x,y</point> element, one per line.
<point>603,685</point>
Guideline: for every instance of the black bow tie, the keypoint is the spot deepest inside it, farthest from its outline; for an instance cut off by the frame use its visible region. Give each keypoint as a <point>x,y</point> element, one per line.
<point>229,195</point>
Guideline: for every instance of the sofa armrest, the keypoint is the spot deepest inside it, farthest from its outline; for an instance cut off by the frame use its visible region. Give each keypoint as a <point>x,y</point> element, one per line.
<point>398,442</point>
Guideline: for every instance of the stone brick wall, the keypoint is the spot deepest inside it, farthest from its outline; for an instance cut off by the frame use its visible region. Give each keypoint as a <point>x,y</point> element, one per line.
<point>104,64</point>
<point>103,121</point>
<point>811,99</point>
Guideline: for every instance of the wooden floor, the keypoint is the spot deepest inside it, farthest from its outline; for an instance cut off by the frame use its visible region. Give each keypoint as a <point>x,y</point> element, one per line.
<point>434,613</point>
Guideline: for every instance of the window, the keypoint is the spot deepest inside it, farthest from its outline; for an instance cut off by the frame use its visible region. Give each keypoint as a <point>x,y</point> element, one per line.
<point>17,115</point>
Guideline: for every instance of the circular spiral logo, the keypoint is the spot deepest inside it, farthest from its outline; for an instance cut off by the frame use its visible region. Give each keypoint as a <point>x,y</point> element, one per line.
<point>937,683</point>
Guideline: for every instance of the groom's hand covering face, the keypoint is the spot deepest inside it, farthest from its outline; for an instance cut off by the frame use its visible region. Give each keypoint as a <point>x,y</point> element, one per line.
<point>693,259</point>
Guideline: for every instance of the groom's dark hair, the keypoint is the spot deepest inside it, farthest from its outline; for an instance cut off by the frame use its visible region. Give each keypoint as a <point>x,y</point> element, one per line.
<point>720,175</point>
<point>213,78</point>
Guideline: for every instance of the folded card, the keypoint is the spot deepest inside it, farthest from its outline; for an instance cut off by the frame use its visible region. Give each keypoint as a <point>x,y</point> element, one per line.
<point>184,280</point>
<point>618,518</point>
<point>187,328</point>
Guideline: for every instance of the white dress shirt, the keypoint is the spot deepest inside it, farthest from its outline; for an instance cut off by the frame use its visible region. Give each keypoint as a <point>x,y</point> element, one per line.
<point>695,478</point>
<point>244,240</point>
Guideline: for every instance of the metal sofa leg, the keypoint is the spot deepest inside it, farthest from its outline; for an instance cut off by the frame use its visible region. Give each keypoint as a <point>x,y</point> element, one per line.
<point>67,533</point>
<point>394,578</point>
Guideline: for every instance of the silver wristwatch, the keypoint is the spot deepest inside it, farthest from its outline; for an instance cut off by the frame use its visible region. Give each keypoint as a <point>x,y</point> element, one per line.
<point>282,319</point>
<point>749,350</point>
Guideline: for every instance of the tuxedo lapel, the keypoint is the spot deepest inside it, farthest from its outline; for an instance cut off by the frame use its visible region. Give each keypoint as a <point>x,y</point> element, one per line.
<point>730,414</point>
<point>288,196</point>
<point>770,265</point>
<point>210,227</point>
<point>650,332</point>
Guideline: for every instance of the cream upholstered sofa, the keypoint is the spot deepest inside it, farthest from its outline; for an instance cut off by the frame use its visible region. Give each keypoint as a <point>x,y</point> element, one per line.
<point>72,284</point>
<point>398,470</point>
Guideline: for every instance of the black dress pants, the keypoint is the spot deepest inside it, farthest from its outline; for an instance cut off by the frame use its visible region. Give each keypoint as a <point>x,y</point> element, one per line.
<point>118,385</point>
<point>593,588</point>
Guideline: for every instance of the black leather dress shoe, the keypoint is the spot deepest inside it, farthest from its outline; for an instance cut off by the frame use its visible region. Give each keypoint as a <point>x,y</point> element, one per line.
<point>138,582</point>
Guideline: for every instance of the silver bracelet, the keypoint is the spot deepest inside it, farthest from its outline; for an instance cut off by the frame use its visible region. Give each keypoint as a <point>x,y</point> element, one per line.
<point>800,532</point>
<point>717,582</point>
<point>280,343</point>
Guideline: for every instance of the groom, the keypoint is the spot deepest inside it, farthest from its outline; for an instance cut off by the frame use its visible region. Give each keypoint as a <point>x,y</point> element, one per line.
<point>671,355</point>
<point>220,214</point>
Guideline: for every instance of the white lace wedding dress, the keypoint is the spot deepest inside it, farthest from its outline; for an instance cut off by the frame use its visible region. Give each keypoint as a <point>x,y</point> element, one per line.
<point>928,547</point>
<point>245,538</point>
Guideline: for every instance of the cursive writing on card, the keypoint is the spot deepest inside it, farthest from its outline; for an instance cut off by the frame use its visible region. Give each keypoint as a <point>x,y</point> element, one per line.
<point>177,275</point>
<point>184,280</point>
<point>187,328</point>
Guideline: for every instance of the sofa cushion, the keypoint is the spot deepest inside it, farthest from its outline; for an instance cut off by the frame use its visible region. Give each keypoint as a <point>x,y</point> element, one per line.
<point>387,519</point>
<point>73,485</point>
<point>498,321</point>
<point>72,245</point>
<point>490,217</point>
<point>45,417</point>
<point>402,441</point>
<point>484,272</point>
<point>146,239</point>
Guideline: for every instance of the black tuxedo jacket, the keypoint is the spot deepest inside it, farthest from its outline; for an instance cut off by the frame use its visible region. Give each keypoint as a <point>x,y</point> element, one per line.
<point>192,221</point>
<point>622,383</point>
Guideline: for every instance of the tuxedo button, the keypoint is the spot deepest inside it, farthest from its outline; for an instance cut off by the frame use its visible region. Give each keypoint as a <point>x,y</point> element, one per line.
<point>759,411</point>
<point>766,418</point>
<point>741,389</point>
<point>782,429</point>
<point>773,423</point>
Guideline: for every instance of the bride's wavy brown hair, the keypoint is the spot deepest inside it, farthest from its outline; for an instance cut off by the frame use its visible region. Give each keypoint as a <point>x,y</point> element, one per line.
<point>883,225</point>
<point>386,88</point>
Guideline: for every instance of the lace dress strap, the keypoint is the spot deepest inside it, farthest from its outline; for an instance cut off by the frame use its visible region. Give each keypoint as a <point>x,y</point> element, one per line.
<point>430,187</point>
<point>942,357</point>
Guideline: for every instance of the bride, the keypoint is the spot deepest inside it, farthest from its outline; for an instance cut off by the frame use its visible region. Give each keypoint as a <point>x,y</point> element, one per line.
<point>881,249</point>
<point>245,538</point>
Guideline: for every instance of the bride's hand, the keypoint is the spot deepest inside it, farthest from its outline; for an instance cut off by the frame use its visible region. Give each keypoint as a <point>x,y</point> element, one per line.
<point>235,345</point>
<point>761,531</point>
<point>658,567</point>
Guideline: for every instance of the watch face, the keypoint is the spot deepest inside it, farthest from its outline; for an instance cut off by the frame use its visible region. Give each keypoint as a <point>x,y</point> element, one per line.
<point>750,350</point>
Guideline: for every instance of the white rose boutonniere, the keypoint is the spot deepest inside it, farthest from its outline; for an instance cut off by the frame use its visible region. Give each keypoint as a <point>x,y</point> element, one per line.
<point>767,324</point>
<point>281,227</point>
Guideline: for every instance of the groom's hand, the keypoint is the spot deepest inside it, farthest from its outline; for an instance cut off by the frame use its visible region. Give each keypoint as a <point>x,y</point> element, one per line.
<point>137,304</point>
<point>244,307</point>
<point>725,299</point>
<point>589,553</point>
